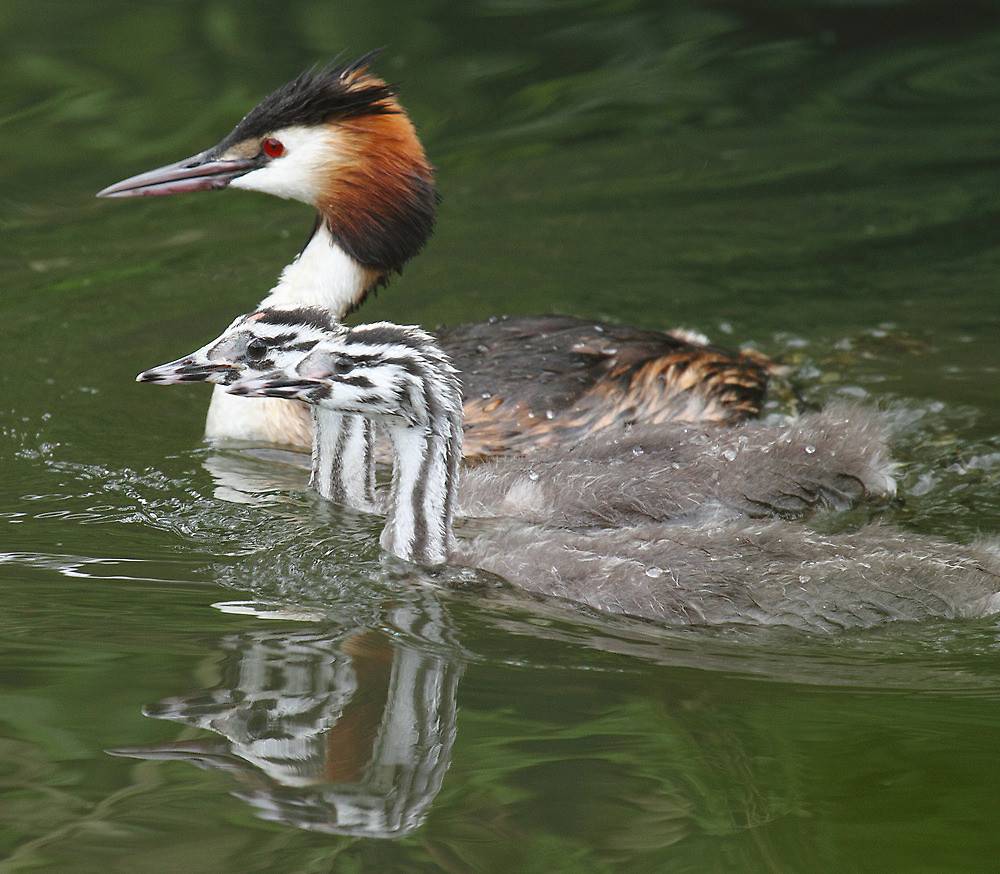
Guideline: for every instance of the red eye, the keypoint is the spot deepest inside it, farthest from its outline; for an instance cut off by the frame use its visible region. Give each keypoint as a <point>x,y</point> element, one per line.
<point>272,148</point>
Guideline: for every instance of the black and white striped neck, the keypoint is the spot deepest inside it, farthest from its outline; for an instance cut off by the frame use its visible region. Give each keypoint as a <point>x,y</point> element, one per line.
<point>427,453</point>
<point>400,378</point>
<point>343,459</point>
<point>421,509</point>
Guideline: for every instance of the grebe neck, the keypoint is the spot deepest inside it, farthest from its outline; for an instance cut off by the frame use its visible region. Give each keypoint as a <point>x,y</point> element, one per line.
<point>324,275</point>
<point>343,459</point>
<point>425,474</point>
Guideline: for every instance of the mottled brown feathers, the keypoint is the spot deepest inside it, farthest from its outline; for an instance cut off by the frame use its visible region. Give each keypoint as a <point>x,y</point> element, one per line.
<point>550,380</point>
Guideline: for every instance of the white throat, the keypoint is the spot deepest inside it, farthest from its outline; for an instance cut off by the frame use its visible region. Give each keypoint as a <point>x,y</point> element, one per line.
<point>322,275</point>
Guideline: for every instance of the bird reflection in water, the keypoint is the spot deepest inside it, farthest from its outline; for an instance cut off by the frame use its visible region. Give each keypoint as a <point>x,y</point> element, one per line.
<point>344,734</point>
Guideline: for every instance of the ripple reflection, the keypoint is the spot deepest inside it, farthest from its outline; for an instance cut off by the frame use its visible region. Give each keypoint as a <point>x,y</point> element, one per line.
<point>343,733</point>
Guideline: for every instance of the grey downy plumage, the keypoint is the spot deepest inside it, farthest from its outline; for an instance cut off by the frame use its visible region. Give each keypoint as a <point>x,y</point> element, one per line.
<point>706,571</point>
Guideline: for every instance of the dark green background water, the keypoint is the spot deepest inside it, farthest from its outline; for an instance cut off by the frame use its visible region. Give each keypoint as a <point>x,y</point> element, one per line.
<point>818,178</point>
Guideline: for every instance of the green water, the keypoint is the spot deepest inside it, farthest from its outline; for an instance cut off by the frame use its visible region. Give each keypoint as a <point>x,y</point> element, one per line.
<point>817,178</point>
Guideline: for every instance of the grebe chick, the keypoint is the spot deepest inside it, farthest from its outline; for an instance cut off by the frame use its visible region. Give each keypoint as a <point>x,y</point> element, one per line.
<point>832,459</point>
<point>706,573</point>
<point>649,473</point>
<point>731,571</point>
<point>338,140</point>
<point>343,455</point>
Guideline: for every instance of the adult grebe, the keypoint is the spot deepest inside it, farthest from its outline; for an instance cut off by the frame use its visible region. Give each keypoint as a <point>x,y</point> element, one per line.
<point>338,139</point>
<point>650,472</point>
<point>709,572</point>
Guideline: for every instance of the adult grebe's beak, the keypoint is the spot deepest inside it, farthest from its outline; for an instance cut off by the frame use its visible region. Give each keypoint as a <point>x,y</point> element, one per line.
<point>188,369</point>
<point>201,172</point>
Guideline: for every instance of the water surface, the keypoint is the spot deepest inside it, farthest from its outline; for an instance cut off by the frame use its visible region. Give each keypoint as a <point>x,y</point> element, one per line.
<point>203,668</point>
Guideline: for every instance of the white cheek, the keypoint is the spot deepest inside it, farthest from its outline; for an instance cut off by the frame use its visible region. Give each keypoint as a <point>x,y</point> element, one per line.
<point>286,362</point>
<point>299,174</point>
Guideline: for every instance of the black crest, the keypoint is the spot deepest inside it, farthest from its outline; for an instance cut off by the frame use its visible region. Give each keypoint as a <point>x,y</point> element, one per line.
<point>318,95</point>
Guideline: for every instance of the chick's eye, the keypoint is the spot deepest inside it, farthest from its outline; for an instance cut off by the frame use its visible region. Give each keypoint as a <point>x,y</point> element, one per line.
<point>256,349</point>
<point>272,148</point>
<point>342,367</point>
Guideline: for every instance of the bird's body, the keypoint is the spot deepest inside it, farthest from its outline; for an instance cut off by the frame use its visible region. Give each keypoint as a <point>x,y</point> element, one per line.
<point>722,571</point>
<point>646,472</point>
<point>832,459</point>
<point>701,571</point>
<point>539,381</point>
<point>548,381</point>
<point>338,140</point>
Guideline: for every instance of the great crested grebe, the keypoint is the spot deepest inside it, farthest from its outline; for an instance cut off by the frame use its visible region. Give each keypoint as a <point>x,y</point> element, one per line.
<point>708,572</point>
<point>338,140</point>
<point>650,472</point>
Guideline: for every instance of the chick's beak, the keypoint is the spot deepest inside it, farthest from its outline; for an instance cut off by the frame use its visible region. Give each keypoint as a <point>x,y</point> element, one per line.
<point>187,369</point>
<point>201,172</point>
<point>276,385</point>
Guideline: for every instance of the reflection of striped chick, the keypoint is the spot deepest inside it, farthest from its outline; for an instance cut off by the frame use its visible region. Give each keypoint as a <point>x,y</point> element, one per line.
<point>338,140</point>
<point>705,572</point>
<point>349,736</point>
<point>639,474</point>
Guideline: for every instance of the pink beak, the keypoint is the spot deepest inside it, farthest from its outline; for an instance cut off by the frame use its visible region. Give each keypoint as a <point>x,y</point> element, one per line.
<point>200,172</point>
